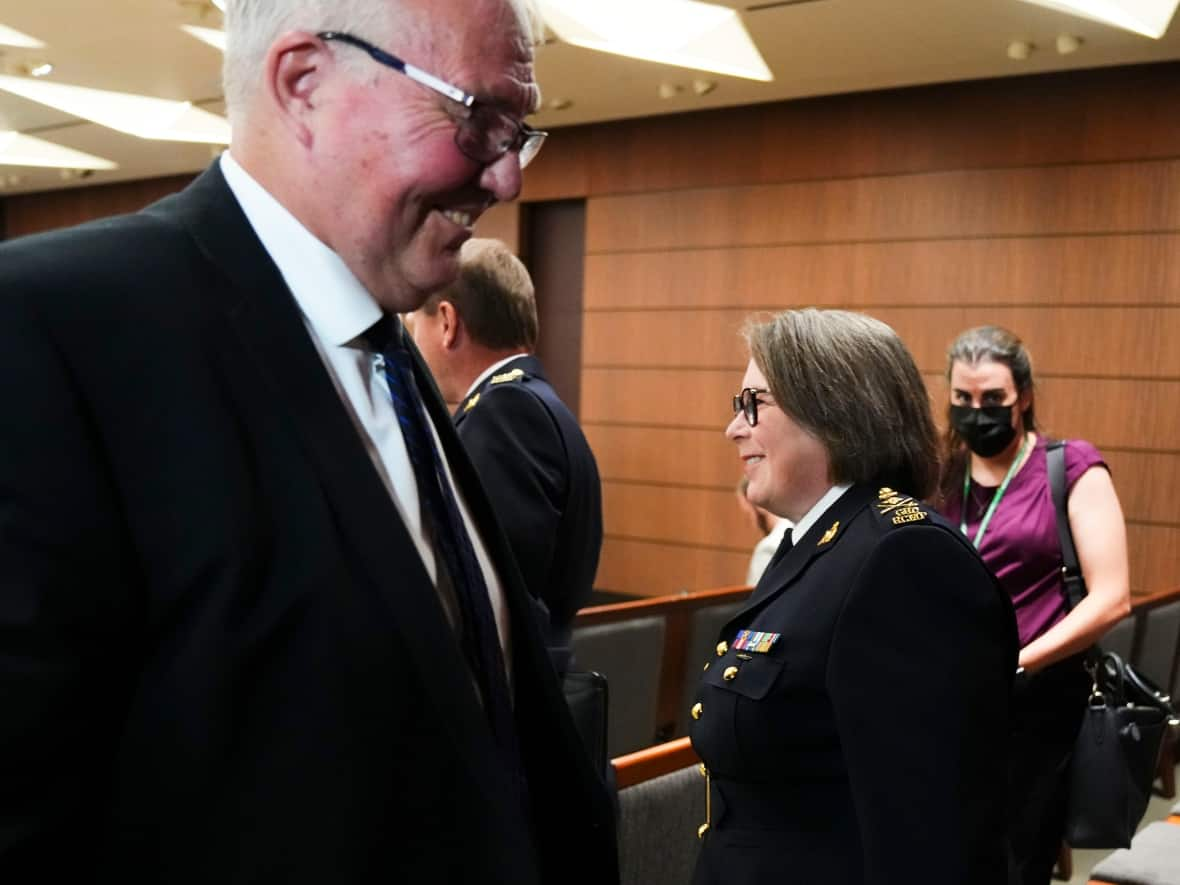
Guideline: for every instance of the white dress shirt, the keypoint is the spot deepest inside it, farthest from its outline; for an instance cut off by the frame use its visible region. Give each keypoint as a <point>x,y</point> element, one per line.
<point>811,517</point>
<point>337,310</point>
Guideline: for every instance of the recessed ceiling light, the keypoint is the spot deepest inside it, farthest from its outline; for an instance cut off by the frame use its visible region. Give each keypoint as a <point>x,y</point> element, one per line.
<point>213,36</point>
<point>44,69</point>
<point>10,37</point>
<point>140,115</point>
<point>24,150</point>
<point>1147,17</point>
<point>685,33</point>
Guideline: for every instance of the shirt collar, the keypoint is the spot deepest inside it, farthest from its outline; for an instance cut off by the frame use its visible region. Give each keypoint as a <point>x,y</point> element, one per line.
<point>333,301</point>
<point>811,517</point>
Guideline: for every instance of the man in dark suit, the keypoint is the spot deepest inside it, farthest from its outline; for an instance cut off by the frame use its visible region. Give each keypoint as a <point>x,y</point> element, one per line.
<point>478,336</point>
<point>258,621</point>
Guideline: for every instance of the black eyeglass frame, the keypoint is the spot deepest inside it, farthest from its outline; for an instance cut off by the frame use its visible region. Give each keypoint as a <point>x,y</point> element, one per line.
<point>747,403</point>
<point>482,145</point>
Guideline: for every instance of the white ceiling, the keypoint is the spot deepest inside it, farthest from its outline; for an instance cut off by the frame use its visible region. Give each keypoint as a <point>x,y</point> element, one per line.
<point>814,47</point>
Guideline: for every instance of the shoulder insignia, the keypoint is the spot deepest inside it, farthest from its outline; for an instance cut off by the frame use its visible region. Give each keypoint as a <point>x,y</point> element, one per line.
<point>829,534</point>
<point>470,404</point>
<point>901,508</point>
<point>514,375</point>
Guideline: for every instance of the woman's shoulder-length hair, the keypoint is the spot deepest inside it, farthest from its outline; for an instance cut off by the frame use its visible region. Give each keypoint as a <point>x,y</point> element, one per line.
<point>850,381</point>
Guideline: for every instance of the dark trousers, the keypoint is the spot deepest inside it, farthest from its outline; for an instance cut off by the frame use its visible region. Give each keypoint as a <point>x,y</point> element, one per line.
<point>1047,713</point>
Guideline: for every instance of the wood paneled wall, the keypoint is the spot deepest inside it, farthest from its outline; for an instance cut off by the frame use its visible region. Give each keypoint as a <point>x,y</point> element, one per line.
<point>1050,205</point>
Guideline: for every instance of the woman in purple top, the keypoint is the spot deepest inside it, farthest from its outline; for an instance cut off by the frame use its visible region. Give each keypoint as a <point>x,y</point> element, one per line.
<point>995,486</point>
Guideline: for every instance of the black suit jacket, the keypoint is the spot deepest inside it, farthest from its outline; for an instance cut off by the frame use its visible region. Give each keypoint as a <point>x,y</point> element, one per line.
<point>868,744</point>
<point>221,658</point>
<point>543,482</point>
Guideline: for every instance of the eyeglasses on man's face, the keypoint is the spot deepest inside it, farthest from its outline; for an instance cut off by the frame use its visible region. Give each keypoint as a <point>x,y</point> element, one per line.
<point>485,134</point>
<point>747,403</point>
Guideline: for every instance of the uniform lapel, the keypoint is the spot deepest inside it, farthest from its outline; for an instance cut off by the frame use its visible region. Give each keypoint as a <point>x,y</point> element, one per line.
<point>821,538</point>
<point>263,315</point>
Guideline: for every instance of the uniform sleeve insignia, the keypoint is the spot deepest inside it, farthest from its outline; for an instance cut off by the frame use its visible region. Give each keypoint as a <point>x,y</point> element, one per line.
<point>470,404</point>
<point>829,534</point>
<point>514,375</point>
<point>902,508</point>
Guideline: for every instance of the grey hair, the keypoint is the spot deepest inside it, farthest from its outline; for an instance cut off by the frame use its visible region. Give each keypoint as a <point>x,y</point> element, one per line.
<point>494,296</point>
<point>251,26</point>
<point>850,381</point>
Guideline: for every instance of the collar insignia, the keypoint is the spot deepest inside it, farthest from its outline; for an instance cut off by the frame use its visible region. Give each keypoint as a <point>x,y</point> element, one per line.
<point>829,534</point>
<point>514,375</point>
<point>470,404</point>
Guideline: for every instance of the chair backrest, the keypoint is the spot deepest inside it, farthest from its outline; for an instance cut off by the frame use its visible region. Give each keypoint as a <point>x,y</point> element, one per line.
<point>629,654</point>
<point>704,626</point>
<point>659,816</point>
<point>1157,651</point>
<point>1121,637</point>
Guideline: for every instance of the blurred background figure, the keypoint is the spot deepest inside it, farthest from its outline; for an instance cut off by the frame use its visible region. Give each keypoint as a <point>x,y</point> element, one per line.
<point>850,717</point>
<point>995,486</point>
<point>478,337</point>
<point>772,528</point>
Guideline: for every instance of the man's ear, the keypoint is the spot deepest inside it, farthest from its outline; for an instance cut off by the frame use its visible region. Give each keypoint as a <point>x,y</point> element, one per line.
<point>449,324</point>
<point>295,68</point>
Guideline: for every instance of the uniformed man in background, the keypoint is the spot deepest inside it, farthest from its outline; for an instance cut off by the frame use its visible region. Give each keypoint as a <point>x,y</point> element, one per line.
<point>478,338</point>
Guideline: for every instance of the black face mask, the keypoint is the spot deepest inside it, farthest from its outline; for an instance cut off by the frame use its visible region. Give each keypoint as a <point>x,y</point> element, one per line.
<point>987,430</point>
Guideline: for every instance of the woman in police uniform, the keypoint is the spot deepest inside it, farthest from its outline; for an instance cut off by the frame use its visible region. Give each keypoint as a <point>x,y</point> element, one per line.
<point>853,721</point>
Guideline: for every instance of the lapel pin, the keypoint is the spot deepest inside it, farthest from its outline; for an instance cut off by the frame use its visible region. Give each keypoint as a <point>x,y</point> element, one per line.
<point>829,534</point>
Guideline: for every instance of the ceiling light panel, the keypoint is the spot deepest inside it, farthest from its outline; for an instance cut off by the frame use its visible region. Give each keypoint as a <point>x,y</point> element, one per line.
<point>212,36</point>
<point>139,115</point>
<point>684,33</point>
<point>10,37</point>
<point>24,150</point>
<point>1147,17</point>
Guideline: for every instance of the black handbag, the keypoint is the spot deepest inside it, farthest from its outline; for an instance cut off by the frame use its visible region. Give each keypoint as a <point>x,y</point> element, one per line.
<point>1113,762</point>
<point>1118,745</point>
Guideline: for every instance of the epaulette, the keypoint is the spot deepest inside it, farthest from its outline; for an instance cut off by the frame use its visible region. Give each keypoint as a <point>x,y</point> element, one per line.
<point>514,375</point>
<point>898,508</point>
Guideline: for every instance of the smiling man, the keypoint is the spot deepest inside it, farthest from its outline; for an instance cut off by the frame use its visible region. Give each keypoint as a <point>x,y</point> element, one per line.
<point>257,622</point>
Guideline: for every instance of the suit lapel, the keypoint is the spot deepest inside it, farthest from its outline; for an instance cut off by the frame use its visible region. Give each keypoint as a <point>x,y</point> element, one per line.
<point>264,316</point>
<point>821,538</point>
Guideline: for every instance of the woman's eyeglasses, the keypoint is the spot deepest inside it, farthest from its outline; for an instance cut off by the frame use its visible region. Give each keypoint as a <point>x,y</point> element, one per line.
<point>747,403</point>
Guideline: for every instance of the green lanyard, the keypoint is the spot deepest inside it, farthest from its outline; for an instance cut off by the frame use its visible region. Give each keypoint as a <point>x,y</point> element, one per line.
<point>987,517</point>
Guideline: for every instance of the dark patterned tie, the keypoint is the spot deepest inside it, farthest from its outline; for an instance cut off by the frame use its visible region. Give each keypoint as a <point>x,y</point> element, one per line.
<point>444,523</point>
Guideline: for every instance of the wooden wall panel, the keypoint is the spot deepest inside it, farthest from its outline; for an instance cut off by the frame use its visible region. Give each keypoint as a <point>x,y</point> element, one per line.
<point>1050,271</point>
<point>33,213</point>
<point>1076,117</point>
<point>671,456</point>
<point>1154,553</point>
<point>701,517</point>
<point>653,569</point>
<point>1095,199</point>
<point>1138,477</point>
<point>1100,342</point>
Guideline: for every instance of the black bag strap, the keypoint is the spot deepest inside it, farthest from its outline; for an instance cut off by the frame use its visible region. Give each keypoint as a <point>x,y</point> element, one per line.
<point>1071,570</point>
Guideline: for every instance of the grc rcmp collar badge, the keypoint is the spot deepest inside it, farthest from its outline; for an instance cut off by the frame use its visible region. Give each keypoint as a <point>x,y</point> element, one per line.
<point>754,641</point>
<point>903,508</point>
<point>470,404</point>
<point>829,534</point>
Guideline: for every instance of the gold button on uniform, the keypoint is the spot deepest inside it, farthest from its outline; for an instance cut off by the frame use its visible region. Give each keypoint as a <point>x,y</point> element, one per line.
<point>730,674</point>
<point>722,648</point>
<point>697,710</point>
